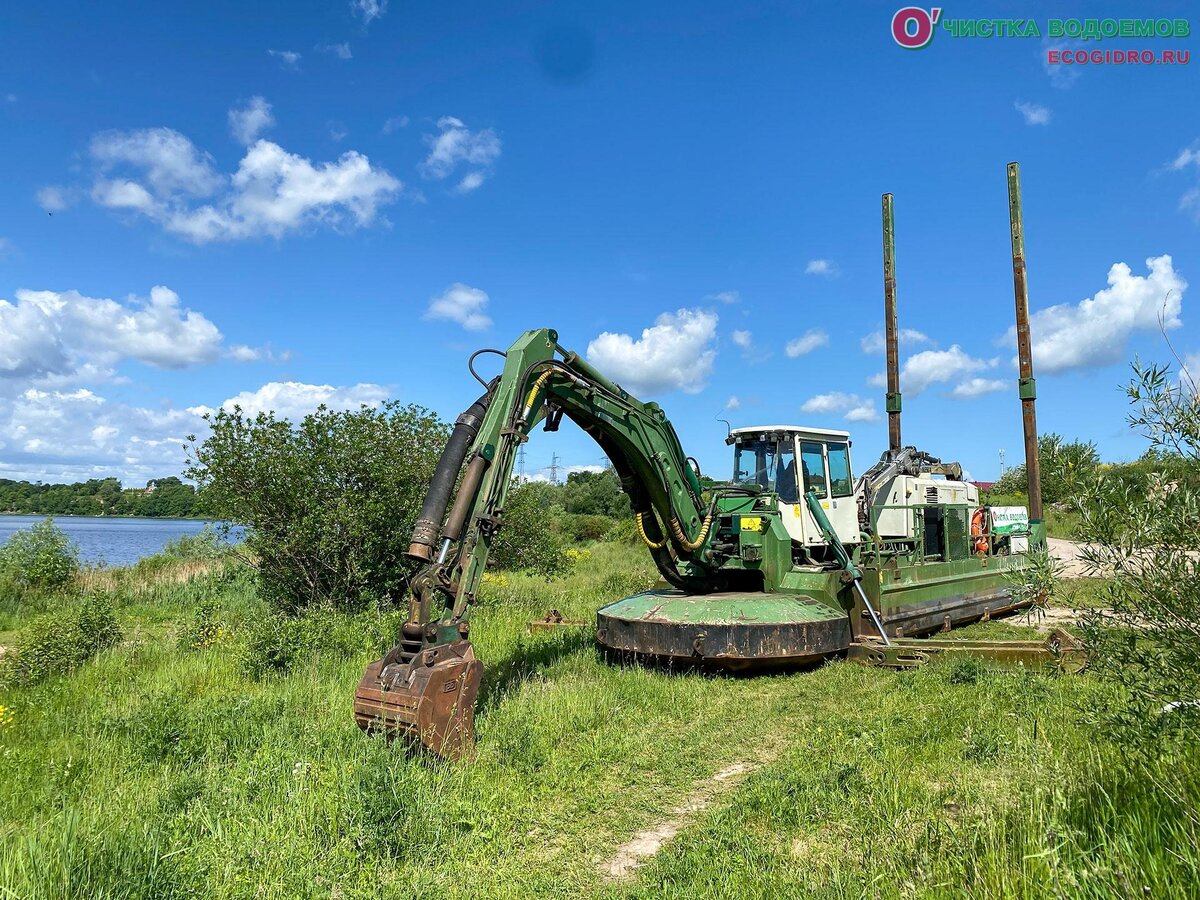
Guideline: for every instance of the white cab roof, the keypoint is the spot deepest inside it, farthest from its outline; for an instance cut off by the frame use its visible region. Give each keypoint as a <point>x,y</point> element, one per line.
<point>825,434</point>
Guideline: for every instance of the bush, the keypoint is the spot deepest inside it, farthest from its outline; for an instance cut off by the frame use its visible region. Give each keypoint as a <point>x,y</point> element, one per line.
<point>204,630</point>
<point>328,503</point>
<point>529,541</point>
<point>62,641</point>
<point>41,556</point>
<point>579,528</point>
<point>205,544</point>
<point>275,643</point>
<point>595,494</point>
<point>1146,540</point>
<point>1065,467</point>
<point>1038,583</point>
<point>624,531</point>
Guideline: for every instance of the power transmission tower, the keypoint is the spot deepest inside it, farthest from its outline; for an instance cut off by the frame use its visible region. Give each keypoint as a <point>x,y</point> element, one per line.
<point>521,463</point>
<point>554,468</point>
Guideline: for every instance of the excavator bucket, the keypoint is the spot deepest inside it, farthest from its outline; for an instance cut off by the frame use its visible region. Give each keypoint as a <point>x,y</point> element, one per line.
<point>429,699</point>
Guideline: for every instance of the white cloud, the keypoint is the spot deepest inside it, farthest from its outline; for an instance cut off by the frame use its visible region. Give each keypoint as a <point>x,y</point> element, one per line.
<point>469,182</point>
<point>53,198</point>
<point>1189,373</point>
<point>1033,113</point>
<point>463,304</point>
<point>244,353</point>
<point>751,352</point>
<point>341,51</point>
<point>77,434</point>
<point>369,10</point>
<point>395,123</point>
<point>1096,331</point>
<point>932,366</point>
<point>806,343</point>
<point>977,387</point>
<point>827,403</point>
<point>1061,75</point>
<point>293,400</point>
<point>724,296</point>
<point>676,353</point>
<point>863,412</point>
<point>874,342</point>
<point>158,173</point>
<point>47,336</point>
<point>248,121</point>
<point>1189,157</point>
<point>826,267</point>
<point>733,402</point>
<point>456,145</point>
<point>855,408</point>
<point>288,59</point>
<point>68,435</point>
<point>167,161</point>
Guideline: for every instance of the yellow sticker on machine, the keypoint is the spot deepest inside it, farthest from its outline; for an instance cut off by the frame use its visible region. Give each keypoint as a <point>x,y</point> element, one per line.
<point>752,523</point>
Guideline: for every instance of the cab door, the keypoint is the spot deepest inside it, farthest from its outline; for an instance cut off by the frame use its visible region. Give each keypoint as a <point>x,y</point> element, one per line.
<point>826,471</point>
<point>788,486</point>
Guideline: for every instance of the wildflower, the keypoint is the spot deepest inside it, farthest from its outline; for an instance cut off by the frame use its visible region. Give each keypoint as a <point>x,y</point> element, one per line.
<point>6,716</point>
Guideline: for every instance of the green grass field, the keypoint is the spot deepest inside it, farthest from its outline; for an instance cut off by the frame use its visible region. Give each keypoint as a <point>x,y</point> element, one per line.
<point>158,771</point>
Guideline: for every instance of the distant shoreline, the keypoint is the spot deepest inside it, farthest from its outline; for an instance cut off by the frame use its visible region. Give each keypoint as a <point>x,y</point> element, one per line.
<point>122,516</point>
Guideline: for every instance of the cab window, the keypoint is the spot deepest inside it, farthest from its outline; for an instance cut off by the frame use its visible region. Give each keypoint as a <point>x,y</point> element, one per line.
<point>755,464</point>
<point>840,484</point>
<point>812,463</point>
<point>786,485</point>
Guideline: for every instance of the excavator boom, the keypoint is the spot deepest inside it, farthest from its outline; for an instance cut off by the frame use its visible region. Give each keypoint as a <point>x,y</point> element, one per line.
<point>425,687</point>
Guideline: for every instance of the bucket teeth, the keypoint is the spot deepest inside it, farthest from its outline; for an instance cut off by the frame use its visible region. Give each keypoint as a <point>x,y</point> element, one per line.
<point>429,699</point>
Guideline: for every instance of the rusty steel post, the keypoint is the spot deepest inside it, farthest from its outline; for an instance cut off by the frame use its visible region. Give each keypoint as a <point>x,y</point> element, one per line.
<point>889,324</point>
<point>1027,386</point>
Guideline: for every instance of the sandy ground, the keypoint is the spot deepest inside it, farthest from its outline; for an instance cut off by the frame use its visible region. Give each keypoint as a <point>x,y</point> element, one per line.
<point>1069,554</point>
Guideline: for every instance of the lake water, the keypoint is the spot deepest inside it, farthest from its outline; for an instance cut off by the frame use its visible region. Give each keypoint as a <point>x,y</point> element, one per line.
<point>112,541</point>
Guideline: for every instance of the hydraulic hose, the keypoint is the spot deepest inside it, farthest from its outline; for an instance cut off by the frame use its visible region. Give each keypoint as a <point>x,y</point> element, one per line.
<point>641,530</point>
<point>437,498</point>
<point>681,538</point>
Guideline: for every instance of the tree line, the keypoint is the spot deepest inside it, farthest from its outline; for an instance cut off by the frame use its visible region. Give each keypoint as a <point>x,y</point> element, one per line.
<point>161,498</point>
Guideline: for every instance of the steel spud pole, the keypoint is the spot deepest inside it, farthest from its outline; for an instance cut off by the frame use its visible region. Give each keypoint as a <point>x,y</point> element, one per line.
<point>1026,385</point>
<point>889,324</point>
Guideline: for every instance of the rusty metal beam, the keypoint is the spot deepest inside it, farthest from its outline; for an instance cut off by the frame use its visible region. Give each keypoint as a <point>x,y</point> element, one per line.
<point>1027,386</point>
<point>889,322</point>
<point>1058,652</point>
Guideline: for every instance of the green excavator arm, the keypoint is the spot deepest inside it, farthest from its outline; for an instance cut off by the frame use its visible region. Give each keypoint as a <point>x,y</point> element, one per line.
<point>425,687</point>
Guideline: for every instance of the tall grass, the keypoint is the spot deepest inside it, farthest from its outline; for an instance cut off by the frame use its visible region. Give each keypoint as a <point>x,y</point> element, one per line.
<point>166,768</point>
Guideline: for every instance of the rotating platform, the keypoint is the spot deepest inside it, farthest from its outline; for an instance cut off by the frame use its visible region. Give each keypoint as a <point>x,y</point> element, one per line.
<point>734,630</point>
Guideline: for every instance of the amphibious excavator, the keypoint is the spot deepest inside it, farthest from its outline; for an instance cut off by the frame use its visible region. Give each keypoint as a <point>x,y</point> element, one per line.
<point>793,560</point>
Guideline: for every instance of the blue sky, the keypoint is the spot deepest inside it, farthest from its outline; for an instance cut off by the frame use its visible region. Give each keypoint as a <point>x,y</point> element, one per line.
<point>283,204</point>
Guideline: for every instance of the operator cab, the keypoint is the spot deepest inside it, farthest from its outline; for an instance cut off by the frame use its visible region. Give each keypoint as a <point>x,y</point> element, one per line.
<point>788,461</point>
